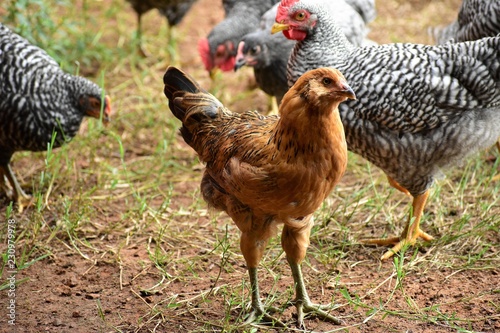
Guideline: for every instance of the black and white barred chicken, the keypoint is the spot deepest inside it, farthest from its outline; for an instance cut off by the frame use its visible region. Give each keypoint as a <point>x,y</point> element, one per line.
<point>420,108</point>
<point>476,19</point>
<point>268,53</point>
<point>173,10</point>
<point>37,101</point>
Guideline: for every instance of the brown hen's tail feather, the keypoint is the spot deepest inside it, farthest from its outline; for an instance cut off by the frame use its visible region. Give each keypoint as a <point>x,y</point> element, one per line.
<point>176,84</point>
<point>190,103</point>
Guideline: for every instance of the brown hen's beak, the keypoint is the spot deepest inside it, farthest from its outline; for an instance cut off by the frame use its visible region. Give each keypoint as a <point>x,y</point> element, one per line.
<point>277,27</point>
<point>348,92</point>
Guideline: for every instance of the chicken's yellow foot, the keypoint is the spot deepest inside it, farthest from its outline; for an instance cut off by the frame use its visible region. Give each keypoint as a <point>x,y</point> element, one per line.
<point>411,232</point>
<point>22,199</point>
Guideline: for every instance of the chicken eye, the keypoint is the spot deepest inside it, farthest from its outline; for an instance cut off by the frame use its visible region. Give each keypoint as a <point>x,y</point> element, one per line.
<point>327,81</point>
<point>300,16</point>
<point>255,49</point>
<point>95,104</point>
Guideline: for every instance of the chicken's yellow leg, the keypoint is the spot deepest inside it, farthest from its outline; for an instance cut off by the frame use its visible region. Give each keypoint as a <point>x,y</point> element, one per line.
<point>411,232</point>
<point>273,108</point>
<point>295,240</point>
<point>21,198</point>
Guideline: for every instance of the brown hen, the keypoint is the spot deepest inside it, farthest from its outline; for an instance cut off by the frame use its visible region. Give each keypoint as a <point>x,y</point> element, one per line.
<point>264,171</point>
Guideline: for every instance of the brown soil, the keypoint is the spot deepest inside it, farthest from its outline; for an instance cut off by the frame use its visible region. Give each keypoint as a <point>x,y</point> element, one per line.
<point>114,285</point>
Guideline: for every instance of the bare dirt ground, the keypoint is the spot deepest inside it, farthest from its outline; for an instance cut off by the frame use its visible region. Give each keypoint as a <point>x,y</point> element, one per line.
<point>135,274</point>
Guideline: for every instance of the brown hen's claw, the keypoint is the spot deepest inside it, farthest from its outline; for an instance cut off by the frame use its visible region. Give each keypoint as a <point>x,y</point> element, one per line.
<point>260,316</point>
<point>302,301</point>
<point>314,310</point>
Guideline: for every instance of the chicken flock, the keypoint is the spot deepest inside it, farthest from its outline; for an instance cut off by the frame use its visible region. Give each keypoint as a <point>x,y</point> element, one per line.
<point>411,110</point>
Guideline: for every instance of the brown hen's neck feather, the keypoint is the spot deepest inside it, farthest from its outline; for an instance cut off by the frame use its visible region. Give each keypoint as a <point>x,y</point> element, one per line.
<point>305,129</point>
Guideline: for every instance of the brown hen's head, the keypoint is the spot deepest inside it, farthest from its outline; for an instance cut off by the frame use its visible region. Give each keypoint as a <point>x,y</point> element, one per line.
<point>322,87</point>
<point>293,20</point>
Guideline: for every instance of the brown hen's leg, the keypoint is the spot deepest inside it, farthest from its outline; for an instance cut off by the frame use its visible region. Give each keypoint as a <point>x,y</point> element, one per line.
<point>252,244</point>
<point>21,198</point>
<point>295,240</point>
<point>411,232</point>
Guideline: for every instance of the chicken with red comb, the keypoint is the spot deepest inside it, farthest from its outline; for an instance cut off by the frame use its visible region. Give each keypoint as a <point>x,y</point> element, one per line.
<point>218,50</point>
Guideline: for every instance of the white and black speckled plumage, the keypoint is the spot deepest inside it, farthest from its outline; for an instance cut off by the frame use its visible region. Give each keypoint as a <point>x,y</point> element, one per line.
<point>476,19</point>
<point>274,49</point>
<point>37,98</point>
<point>419,109</point>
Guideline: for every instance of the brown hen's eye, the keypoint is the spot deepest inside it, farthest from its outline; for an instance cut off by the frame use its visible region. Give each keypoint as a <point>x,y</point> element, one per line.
<point>327,81</point>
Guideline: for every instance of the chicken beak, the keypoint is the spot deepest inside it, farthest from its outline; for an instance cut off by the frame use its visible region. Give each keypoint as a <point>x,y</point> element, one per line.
<point>106,113</point>
<point>348,92</point>
<point>240,57</point>
<point>277,27</point>
<point>103,111</point>
<point>240,62</point>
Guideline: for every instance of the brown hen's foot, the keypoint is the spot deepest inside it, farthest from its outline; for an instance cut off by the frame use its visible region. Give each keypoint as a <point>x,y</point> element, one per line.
<point>313,310</point>
<point>260,316</point>
<point>304,304</point>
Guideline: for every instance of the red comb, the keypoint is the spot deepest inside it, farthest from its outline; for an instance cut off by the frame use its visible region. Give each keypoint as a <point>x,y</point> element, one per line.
<point>288,3</point>
<point>283,7</point>
<point>204,51</point>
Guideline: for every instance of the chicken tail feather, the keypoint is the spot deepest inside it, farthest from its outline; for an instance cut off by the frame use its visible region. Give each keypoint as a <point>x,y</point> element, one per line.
<point>190,103</point>
<point>176,84</point>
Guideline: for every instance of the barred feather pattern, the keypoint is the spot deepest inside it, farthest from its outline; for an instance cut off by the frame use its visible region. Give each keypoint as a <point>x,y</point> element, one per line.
<point>365,8</point>
<point>274,49</point>
<point>476,19</point>
<point>419,108</point>
<point>241,17</point>
<point>36,97</point>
